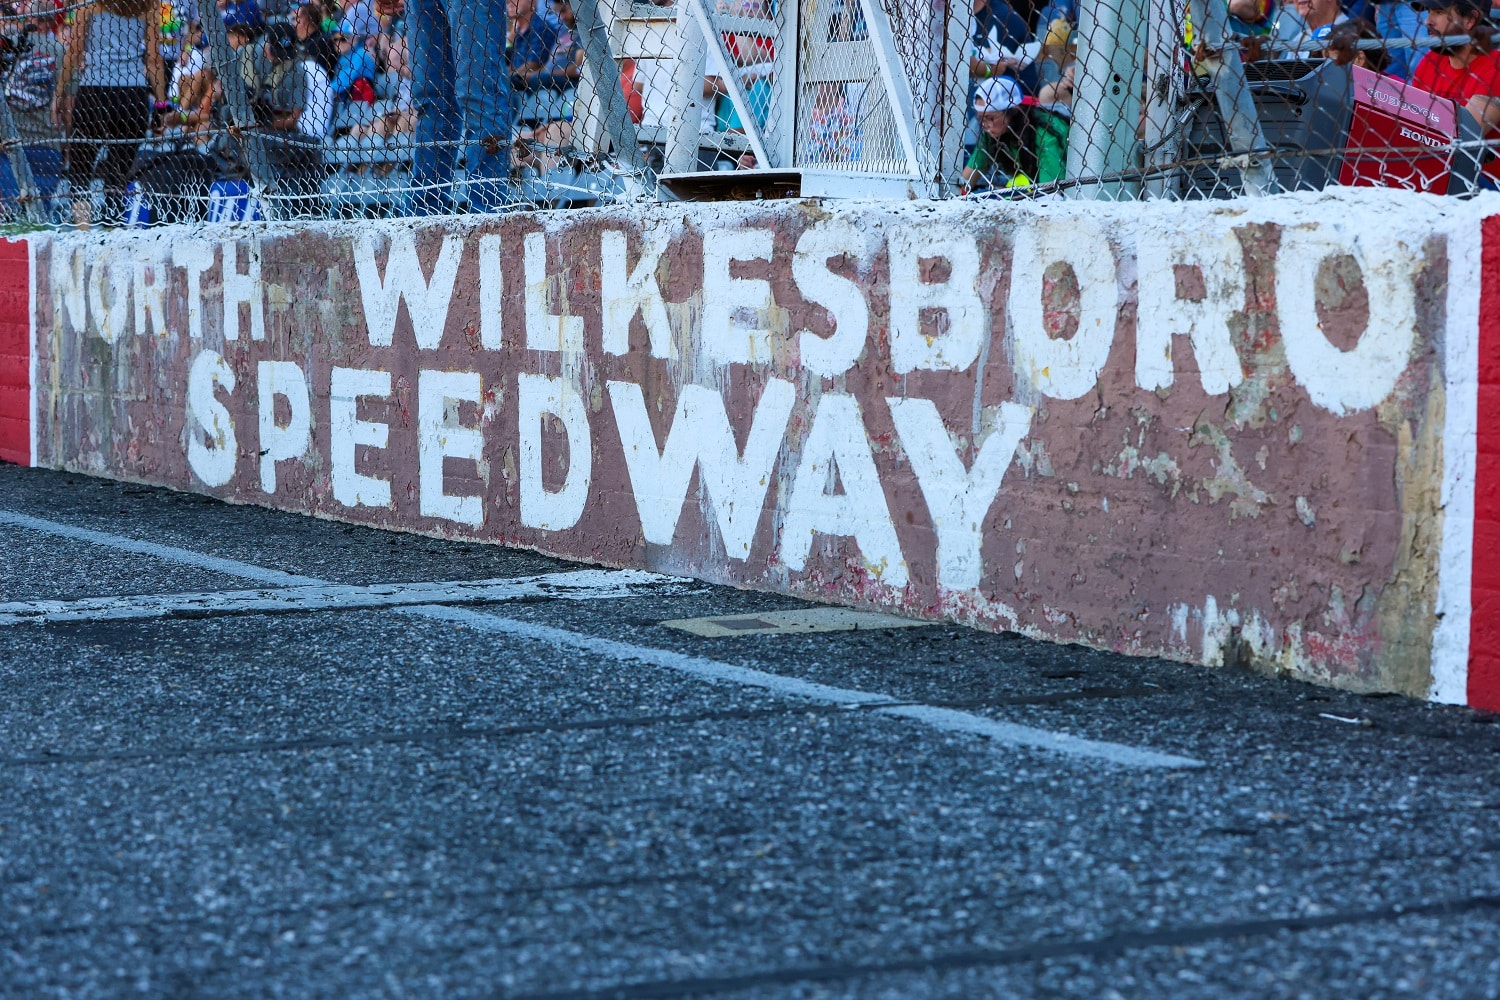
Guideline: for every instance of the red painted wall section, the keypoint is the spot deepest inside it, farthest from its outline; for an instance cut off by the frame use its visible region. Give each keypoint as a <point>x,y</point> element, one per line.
<point>1484,629</point>
<point>15,352</point>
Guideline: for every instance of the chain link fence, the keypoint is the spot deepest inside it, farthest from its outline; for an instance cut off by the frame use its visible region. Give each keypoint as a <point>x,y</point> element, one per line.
<point>137,112</point>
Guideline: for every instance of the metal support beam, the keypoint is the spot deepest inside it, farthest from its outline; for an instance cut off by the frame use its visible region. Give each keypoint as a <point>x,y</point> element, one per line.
<point>1164,92</point>
<point>954,97</point>
<point>737,96</point>
<point>599,84</point>
<point>919,155</point>
<point>1221,60</point>
<point>1107,97</point>
<point>686,123</point>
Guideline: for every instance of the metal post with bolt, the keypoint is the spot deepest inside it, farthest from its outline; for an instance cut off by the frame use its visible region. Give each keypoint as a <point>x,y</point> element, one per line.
<point>1107,99</point>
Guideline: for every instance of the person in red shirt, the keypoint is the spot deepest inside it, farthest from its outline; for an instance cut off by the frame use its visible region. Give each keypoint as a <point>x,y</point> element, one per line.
<point>1467,74</point>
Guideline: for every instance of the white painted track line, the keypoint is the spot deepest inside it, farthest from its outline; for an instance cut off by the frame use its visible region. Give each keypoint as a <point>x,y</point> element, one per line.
<point>945,719</point>
<point>579,585</point>
<point>942,719</point>
<point>187,557</point>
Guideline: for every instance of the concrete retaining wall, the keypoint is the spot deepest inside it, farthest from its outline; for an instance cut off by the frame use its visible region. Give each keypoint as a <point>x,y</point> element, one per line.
<point>1218,433</point>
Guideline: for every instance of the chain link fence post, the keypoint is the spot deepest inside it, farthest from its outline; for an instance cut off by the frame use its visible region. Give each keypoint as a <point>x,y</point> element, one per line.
<point>1164,113</point>
<point>1217,57</point>
<point>599,90</point>
<point>685,121</point>
<point>1107,102</point>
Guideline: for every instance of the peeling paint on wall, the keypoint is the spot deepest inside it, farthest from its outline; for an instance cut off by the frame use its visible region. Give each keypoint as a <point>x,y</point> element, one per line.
<point>1179,430</point>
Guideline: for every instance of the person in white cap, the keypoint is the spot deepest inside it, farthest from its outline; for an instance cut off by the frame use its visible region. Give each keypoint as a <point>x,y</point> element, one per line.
<point>1019,144</point>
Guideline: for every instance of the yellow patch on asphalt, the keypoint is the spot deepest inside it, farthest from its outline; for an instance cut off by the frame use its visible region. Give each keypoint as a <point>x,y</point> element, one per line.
<point>787,622</point>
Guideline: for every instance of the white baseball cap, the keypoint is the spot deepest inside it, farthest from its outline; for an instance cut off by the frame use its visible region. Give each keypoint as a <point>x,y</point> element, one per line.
<point>998,93</point>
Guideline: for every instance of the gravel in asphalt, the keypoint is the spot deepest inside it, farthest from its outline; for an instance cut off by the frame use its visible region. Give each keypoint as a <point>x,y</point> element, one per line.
<point>375,802</point>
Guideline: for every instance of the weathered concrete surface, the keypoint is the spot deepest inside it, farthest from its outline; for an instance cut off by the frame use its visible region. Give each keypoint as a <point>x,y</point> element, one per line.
<point>985,413</point>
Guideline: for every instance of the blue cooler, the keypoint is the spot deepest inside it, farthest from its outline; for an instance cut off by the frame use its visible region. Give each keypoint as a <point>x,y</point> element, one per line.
<point>231,201</point>
<point>138,213</point>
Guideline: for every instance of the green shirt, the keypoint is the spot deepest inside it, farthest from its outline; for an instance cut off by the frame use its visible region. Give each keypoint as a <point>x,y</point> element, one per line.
<point>997,159</point>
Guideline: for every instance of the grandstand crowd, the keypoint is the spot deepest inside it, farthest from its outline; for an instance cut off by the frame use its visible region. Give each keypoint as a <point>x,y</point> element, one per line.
<point>341,98</point>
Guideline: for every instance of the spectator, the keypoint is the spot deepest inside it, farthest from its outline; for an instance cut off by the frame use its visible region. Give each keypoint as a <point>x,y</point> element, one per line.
<point>998,40</point>
<point>1319,18</point>
<point>252,62</point>
<point>999,37</point>
<point>1468,74</point>
<point>308,20</point>
<point>833,129</point>
<point>245,12</point>
<point>295,104</point>
<point>1058,95</point>
<point>1342,40</point>
<point>1250,17</point>
<point>460,83</point>
<point>392,14</point>
<point>402,115</point>
<point>1018,145</point>
<point>354,79</point>
<point>546,144</point>
<point>39,56</point>
<point>114,54</point>
<point>1397,20</point>
<point>566,61</point>
<point>1065,11</point>
<point>191,91</point>
<point>528,43</point>
<point>358,19</point>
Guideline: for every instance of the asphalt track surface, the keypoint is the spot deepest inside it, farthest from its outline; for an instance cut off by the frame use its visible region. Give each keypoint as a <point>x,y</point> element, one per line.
<point>557,796</point>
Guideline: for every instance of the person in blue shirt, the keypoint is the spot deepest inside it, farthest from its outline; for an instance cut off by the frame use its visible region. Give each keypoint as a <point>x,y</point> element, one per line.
<point>998,29</point>
<point>994,46</point>
<point>355,64</point>
<point>243,12</point>
<point>528,43</point>
<point>359,19</point>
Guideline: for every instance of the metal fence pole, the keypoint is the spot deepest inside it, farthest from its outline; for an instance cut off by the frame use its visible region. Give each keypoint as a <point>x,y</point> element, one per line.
<point>1107,97</point>
<point>686,114</point>
<point>1164,91</point>
<point>1220,60</point>
<point>226,66</point>
<point>954,93</point>
<point>910,104</point>
<point>602,73</point>
<point>781,124</point>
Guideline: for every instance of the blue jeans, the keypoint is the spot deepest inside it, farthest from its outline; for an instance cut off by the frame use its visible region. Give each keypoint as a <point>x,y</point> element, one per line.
<point>461,87</point>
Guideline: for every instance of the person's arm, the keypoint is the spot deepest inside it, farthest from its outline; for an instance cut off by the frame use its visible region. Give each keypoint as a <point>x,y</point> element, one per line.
<point>156,71</point>
<point>538,50</point>
<point>72,63</point>
<point>1485,109</point>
